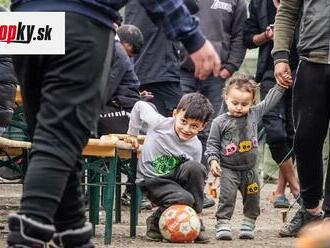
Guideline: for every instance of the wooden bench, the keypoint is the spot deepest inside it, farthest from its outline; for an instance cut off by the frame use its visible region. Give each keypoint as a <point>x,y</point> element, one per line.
<point>101,164</point>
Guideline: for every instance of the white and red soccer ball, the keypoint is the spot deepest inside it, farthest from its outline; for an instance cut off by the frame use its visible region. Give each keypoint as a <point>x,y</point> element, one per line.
<point>179,223</point>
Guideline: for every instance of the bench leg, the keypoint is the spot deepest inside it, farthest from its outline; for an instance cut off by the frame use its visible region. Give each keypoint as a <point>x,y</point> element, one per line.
<point>110,184</point>
<point>136,196</point>
<point>118,193</point>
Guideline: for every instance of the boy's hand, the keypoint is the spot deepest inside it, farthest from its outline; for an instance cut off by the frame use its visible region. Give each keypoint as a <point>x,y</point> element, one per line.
<point>283,75</point>
<point>133,140</point>
<point>215,168</point>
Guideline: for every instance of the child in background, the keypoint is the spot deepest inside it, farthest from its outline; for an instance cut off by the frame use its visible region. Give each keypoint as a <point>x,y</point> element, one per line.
<point>170,170</point>
<point>231,152</point>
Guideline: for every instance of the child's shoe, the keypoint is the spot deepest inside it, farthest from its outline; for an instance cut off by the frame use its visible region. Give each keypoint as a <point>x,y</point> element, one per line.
<point>74,238</point>
<point>26,232</point>
<point>247,228</point>
<point>153,232</point>
<point>223,230</point>
<point>202,237</point>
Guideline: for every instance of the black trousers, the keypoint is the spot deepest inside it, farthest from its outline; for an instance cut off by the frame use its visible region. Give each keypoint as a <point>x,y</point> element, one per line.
<point>62,97</point>
<point>278,121</point>
<point>166,96</point>
<point>311,108</point>
<point>184,186</point>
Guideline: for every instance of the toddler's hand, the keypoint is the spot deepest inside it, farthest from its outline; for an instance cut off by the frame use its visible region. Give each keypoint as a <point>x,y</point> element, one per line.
<point>133,140</point>
<point>215,168</point>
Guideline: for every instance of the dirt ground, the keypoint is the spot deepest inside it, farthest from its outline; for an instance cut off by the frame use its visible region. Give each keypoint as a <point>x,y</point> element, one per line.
<point>267,226</point>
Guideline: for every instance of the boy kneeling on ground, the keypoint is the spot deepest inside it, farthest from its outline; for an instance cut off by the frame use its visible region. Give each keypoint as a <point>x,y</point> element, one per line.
<point>169,170</point>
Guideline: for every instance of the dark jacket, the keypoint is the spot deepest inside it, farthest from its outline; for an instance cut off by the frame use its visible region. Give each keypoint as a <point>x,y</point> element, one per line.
<point>158,60</point>
<point>7,90</point>
<point>221,22</point>
<point>177,24</point>
<point>262,14</point>
<point>314,40</point>
<point>122,80</point>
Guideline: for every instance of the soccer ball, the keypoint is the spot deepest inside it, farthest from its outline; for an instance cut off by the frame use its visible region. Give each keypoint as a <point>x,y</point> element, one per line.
<point>179,223</point>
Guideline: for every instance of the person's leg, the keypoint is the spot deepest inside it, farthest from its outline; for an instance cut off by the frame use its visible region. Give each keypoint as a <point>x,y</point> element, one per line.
<point>311,119</point>
<point>229,183</point>
<point>250,190</point>
<point>276,122</point>
<point>163,193</point>
<point>188,82</point>
<point>166,95</point>
<point>287,170</point>
<point>68,112</point>
<point>170,94</point>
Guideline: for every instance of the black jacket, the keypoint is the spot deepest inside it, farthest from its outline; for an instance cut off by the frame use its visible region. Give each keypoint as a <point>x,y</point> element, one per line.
<point>123,84</point>
<point>158,60</point>
<point>262,14</point>
<point>7,90</point>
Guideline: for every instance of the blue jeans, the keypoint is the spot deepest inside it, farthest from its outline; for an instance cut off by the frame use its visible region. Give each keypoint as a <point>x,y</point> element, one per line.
<point>212,89</point>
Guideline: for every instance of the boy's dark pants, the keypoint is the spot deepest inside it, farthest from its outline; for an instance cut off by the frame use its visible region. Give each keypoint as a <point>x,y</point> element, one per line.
<point>61,95</point>
<point>311,109</point>
<point>247,183</point>
<point>184,186</point>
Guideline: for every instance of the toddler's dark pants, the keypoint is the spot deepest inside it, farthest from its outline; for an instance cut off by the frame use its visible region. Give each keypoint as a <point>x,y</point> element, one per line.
<point>184,186</point>
<point>62,96</point>
<point>245,181</point>
<point>311,109</point>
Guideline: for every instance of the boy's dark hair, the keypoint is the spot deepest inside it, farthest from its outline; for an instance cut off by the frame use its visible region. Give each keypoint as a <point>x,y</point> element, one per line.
<point>197,107</point>
<point>132,35</point>
<point>242,82</point>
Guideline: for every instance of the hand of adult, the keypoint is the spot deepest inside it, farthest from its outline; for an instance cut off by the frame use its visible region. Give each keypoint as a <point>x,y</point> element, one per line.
<point>283,74</point>
<point>206,61</point>
<point>224,73</point>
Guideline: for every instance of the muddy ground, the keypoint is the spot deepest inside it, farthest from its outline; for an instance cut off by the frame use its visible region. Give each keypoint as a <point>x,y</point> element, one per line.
<point>267,227</point>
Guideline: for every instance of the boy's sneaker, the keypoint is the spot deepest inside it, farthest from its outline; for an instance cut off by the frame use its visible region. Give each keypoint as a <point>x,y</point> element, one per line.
<point>153,232</point>
<point>202,237</point>
<point>223,230</point>
<point>247,228</point>
<point>301,218</point>
<point>26,232</point>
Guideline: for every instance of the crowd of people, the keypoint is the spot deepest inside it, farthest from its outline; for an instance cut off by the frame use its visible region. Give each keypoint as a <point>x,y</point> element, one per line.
<point>169,70</point>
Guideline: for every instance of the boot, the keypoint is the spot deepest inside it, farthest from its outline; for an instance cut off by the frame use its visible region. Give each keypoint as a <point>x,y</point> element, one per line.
<point>74,238</point>
<point>153,232</point>
<point>25,232</point>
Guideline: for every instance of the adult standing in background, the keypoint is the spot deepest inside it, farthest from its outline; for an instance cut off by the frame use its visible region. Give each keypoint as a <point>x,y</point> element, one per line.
<point>258,33</point>
<point>157,65</point>
<point>62,97</point>
<point>311,102</point>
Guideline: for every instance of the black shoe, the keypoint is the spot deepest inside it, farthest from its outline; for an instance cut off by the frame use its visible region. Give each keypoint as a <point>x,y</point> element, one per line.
<point>74,238</point>
<point>207,202</point>
<point>301,218</point>
<point>153,232</point>
<point>25,232</point>
<point>202,237</point>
